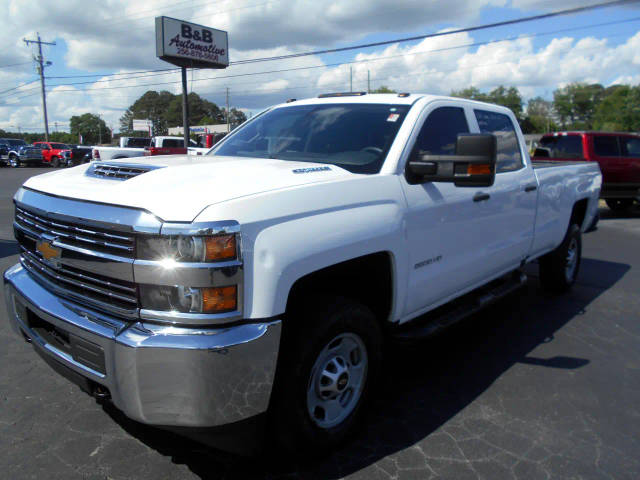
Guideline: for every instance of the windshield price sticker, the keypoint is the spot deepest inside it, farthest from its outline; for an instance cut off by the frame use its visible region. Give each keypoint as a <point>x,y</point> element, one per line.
<point>393,117</point>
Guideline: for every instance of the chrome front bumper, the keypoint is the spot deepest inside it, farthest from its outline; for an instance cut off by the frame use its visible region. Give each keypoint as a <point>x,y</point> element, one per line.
<point>159,375</point>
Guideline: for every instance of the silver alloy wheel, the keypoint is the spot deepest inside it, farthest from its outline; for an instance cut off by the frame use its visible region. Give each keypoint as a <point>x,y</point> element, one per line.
<point>13,161</point>
<point>337,380</point>
<point>571,260</point>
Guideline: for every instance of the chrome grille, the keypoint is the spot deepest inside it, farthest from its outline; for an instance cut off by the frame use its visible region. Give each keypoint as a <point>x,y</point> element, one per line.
<point>117,172</point>
<point>77,235</point>
<point>110,294</point>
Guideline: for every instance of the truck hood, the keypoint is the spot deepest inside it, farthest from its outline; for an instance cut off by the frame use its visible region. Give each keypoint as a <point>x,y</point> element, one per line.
<point>178,187</point>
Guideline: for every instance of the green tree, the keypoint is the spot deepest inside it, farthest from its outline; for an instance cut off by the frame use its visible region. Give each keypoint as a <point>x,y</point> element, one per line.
<point>383,89</point>
<point>150,106</point>
<point>92,128</point>
<point>236,117</point>
<point>472,93</point>
<point>619,110</point>
<point>539,116</point>
<point>576,103</point>
<point>199,108</point>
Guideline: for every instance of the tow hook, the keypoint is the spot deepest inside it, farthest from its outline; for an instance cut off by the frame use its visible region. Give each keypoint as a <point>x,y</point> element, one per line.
<point>101,393</point>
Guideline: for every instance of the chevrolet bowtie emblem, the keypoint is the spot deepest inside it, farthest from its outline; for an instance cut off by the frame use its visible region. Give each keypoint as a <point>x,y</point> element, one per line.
<point>47,250</point>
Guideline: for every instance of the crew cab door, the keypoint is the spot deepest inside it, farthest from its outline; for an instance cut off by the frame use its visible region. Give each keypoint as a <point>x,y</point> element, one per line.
<point>460,237</point>
<point>510,227</point>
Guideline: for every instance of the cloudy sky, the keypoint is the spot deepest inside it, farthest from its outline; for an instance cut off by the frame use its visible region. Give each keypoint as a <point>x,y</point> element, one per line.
<point>97,39</point>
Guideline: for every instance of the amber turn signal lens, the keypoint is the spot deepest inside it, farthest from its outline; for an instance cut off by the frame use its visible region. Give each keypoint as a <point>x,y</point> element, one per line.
<point>219,299</point>
<point>475,169</point>
<point>220,247</point>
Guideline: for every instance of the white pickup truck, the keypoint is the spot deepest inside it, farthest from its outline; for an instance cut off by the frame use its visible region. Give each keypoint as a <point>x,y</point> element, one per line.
<point>252,289</point>
<point>154,146</point>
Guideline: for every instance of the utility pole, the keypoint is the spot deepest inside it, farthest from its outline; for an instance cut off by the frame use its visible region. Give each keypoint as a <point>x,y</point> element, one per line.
<point>228,113</point>
<point>41,65</point>
<point>351,79</point>
<point>368,82</point>
<point>185,108</point>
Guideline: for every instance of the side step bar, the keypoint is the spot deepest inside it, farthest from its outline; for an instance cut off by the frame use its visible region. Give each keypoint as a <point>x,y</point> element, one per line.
<point>445,316</point>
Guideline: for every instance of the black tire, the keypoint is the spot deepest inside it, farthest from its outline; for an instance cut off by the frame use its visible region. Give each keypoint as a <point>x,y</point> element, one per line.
<point>55,162</point>
<point>619,204</point>
<point>14,162</point>
<point>559,268</point>
<point>306,335</point>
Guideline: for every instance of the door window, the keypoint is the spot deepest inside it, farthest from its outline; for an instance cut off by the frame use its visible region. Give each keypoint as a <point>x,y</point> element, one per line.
<point>606,146</point>
<point>630,146</point>
<point>440,131</point>
<point>509,157</point>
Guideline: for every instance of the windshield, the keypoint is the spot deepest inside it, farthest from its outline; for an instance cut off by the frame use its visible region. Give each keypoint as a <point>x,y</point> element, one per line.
<point>353,136</point>
<point>15,143</point>
<point>59,146</point>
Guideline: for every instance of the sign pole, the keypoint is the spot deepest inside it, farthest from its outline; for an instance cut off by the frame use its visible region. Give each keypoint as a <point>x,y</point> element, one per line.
<point>185,108</point>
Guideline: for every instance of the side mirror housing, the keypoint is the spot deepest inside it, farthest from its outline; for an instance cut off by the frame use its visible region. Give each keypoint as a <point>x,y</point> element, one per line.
<point>473,165</point>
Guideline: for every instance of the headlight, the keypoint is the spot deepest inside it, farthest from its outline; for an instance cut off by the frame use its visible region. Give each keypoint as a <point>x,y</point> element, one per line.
<point>185,248</point>
<point>189,300</point>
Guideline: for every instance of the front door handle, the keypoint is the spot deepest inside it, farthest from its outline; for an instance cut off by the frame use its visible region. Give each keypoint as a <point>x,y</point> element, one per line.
<point>530,188</point>
<point>480,196</point>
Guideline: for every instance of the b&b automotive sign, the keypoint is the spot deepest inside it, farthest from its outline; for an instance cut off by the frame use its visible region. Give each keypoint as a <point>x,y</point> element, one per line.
<point>190,45</point>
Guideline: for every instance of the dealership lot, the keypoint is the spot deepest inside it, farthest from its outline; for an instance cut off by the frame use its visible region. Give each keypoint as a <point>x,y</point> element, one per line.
<point>538,386</point>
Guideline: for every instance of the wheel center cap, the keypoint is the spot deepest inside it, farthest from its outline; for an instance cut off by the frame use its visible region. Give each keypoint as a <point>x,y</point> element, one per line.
<point>342,381</point>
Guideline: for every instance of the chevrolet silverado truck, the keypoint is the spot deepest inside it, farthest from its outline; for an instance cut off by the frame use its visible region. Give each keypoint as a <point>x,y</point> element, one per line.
<point>618,155</point>
<point>156,146</point>
<point>251,289</point>
<point>21,153</point>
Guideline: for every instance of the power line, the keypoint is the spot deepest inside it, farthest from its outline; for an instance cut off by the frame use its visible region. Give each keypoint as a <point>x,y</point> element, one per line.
<point>15,64</point>
<point>532,18</point>
<point>400,40</point>
<point>309,67</point>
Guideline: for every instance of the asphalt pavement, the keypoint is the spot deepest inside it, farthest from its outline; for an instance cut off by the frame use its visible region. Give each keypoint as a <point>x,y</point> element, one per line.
<point>538,386</point>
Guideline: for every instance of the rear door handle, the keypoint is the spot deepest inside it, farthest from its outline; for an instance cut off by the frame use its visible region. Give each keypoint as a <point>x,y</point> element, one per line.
<point>480,196</point>
<point>530,188</point>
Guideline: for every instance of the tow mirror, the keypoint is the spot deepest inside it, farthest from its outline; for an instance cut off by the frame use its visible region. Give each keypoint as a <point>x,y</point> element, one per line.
<point>473,165</point>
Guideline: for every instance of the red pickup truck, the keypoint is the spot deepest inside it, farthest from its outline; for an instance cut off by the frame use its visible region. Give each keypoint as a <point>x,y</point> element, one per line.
<point>52,152</point>
<point>618,155</point>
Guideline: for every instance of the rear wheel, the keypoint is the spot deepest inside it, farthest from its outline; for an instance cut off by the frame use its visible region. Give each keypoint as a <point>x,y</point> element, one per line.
<point>55,162</point>
<point>329,362</point>
<point>619,204</point>
<point>559,268</point>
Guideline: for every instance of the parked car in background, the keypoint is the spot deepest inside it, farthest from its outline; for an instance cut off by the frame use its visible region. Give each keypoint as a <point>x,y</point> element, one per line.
<point>4,154</point>
<point>156,146</point>
<point>618,155</point>
<point>21,153</point>
<point>52,152</point>
<point>76,155</point>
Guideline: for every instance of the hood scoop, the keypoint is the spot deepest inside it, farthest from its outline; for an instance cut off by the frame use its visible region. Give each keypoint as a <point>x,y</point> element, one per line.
<point>118,171</point>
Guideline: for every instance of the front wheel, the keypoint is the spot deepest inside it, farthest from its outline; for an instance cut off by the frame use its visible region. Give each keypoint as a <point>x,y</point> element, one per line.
<point>330,359</point>
<point>14,162</point>
<point>619,204</point>
<point>559,268</point>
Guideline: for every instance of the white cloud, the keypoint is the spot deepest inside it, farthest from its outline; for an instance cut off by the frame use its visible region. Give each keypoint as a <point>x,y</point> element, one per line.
<point>117,35</point>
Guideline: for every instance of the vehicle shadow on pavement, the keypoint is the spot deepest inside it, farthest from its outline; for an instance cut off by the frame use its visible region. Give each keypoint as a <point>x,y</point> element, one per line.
<point>608,214</point>
<point>423,386</point>
<point>8,248</point>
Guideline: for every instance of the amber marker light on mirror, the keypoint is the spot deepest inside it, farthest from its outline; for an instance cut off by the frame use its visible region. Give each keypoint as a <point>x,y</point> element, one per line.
<point>482,169</point>
<point>220,247</point>
<point>219,299</point>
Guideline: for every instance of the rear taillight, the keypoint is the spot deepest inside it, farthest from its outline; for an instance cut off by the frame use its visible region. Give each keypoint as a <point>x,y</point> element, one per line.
<point>96,154</point>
